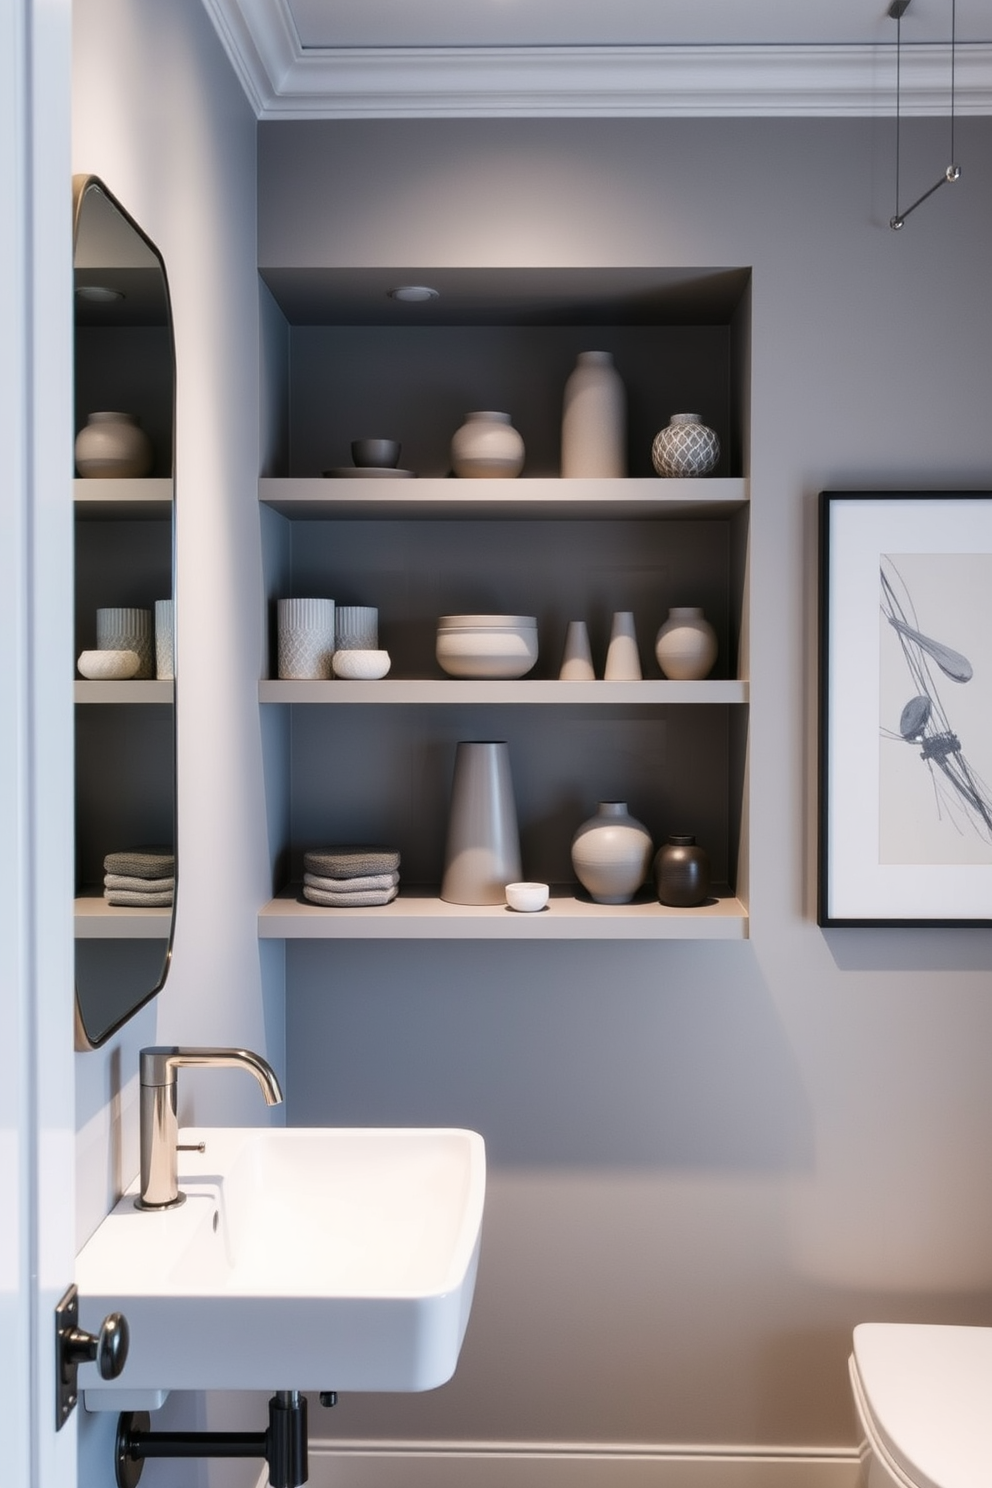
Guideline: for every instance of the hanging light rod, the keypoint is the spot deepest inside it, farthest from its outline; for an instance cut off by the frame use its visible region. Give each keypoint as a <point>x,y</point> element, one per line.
<point>897,10</point>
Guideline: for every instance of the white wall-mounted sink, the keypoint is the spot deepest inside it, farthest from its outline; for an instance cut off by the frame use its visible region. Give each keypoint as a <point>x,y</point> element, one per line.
<point>302,1259</point>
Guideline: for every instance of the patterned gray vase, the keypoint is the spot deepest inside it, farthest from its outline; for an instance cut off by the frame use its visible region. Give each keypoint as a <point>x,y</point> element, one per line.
<point>685,447</point>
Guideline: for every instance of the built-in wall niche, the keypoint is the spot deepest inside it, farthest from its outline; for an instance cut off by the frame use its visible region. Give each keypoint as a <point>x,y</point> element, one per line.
<point>358,363</point>
<point>372,761</point>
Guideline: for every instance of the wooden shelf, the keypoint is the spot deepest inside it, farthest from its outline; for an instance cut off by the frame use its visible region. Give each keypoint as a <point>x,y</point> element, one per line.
<point>418,914</point>
<point>452,691</point>
<point>539,499</point>
<point>131,691</point>
<point>95,919</point>
<point>122,500</point>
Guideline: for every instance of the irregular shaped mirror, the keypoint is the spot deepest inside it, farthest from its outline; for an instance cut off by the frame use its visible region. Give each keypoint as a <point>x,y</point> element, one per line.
<point>125,784</point>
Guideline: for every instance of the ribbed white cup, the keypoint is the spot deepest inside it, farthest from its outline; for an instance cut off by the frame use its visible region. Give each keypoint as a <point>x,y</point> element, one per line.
<point>127,628</point>
<point>357,628</point>
<point>306,639</point>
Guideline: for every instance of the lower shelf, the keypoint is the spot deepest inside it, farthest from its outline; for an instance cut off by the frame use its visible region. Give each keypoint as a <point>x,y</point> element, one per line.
<point>95,919</point>
<point>418,914</point>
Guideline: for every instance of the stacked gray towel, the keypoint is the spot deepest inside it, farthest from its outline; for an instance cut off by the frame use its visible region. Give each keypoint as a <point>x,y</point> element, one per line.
<point>141,878</point>
<point>351,877</point>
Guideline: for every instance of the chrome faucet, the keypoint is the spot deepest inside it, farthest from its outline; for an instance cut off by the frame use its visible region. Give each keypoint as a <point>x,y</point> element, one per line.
<point>160,1123</point>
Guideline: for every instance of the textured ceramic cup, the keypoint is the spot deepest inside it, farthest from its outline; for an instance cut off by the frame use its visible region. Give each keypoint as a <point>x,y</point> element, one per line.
<point>107,666</point>
<point>305,639</point>
<point>361,666</point>
<point>356,628</point>
<point>623,663</point>
<point>576,661</point>
<point>127,628</point>
<point>165,644</point>
<point>379,453</point>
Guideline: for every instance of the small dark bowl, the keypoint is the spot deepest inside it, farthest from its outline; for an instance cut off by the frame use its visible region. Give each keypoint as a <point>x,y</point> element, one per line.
<point>381,453</point>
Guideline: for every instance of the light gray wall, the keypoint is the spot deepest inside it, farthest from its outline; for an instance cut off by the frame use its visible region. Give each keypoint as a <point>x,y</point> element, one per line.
<point>160,117</point>
<point>708,1162</point>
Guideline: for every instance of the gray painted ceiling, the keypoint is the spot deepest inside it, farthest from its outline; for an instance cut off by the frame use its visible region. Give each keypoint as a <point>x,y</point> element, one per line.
<point>362,23</point>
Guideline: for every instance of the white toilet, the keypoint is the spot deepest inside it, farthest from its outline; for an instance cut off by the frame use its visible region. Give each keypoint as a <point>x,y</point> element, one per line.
<point>924,1398</point>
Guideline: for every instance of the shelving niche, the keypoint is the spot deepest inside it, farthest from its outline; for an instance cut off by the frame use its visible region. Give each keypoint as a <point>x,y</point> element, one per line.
<point>372,761</point>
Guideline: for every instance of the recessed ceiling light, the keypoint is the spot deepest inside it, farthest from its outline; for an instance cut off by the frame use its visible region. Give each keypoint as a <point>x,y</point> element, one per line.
<point>413,294</point>
<point>100,293</point>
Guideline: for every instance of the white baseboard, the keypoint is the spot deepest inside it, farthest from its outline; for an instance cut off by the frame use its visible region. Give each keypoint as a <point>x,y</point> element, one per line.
<point>368,1464</point>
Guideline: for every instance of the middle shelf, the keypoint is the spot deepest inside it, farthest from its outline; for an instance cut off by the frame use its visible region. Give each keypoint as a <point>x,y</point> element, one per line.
<point>447,691</point>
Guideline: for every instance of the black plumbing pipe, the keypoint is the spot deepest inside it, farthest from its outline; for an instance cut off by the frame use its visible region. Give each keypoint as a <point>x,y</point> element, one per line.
<point>283,1445</point>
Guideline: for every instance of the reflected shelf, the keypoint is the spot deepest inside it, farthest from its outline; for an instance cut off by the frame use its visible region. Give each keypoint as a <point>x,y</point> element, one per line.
<point>131,691</point>
<point>418,914</point>
<point>95,919</point>
<point>122,499</point>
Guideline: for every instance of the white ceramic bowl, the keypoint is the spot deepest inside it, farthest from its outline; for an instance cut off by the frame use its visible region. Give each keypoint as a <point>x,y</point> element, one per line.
<point>360,666</point>
<point>486,646</point>
<point>108,666</point>
<point>527,897</point>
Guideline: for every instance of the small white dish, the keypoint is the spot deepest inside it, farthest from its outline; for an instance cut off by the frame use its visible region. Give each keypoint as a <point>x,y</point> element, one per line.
<point>108,666</point>
<point>360,666</point>
<point>368,472</point>
<point>527,897</point>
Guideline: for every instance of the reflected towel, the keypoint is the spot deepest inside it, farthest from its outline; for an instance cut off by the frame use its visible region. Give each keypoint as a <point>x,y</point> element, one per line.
<point>138,885</point>
<point>138,901</point>
<point>141,862</point>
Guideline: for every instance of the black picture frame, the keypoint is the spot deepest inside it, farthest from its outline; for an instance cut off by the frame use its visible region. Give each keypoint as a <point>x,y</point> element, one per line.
<point>905,708</point>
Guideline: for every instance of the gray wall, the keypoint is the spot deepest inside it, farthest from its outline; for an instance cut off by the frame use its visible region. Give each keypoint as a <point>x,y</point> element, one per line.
<point>708,1162</point>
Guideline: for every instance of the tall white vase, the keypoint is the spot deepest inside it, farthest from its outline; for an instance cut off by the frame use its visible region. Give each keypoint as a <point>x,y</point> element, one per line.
<point>594,419</point>
<point>482,854</point>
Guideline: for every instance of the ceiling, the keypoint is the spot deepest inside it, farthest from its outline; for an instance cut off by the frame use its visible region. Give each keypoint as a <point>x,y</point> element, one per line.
<point>528,58</point>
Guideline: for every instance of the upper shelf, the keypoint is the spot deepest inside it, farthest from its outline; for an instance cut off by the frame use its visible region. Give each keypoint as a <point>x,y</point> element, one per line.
<point>539,499</point>
<point>450,690</point>
<point>123,499</point>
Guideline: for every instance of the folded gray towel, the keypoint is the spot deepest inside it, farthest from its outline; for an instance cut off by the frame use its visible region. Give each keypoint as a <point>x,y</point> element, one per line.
<point>351,885</point>
<point>350,901</point>
<point>351,861</point>
<point>138,885</point>
<point>142,862</point>
<point>137,901</point>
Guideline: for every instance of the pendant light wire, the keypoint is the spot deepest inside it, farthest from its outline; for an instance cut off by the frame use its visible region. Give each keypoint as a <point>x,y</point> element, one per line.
<point>953,172</point>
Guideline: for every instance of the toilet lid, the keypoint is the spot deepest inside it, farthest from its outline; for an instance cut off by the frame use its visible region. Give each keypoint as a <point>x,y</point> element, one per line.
<point>928,1391</point>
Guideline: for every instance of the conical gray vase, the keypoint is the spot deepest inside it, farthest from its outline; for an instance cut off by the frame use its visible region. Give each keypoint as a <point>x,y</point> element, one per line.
<point>483,849</point>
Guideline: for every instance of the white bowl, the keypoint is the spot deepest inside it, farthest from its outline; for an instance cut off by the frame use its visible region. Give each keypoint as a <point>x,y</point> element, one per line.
<point>108,666</point>
<point>486,646</point>
<point>527,897</point>
<point>360,666</point>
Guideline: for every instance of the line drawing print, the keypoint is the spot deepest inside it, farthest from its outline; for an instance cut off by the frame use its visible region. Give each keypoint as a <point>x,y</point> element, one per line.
<point>961,796</point>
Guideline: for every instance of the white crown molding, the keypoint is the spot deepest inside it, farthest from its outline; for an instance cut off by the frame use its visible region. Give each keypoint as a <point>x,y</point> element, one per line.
<point>285,82</point>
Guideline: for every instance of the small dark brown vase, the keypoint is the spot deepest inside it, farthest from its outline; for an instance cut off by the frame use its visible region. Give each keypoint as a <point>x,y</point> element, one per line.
<point>682,873</point>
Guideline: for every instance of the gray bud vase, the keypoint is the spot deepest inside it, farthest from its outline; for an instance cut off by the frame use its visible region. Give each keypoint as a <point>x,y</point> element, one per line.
<point>482,854</point>
<point>685,447</point>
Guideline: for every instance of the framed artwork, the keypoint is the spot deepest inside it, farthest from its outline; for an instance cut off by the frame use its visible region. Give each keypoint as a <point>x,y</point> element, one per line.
<point>905,708</point>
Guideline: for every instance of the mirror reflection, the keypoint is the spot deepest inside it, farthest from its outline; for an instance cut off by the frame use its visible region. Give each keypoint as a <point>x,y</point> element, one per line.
<point>125,782</point>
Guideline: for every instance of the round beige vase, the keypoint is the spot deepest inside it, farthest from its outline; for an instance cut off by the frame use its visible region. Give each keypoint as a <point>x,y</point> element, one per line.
<point>113,446</point>
<point>686,645</point>
<point>487,446</point>
<point>611,854</point>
